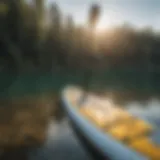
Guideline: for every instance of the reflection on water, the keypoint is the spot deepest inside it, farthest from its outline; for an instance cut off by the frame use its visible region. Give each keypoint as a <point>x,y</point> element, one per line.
<point>150,110</point>
<point>146,105</point>
<point>140,103</point>
<point>61,144</point>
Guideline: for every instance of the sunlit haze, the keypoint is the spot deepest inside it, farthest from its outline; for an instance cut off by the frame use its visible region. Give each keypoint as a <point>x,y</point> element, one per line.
<point>140,13</point>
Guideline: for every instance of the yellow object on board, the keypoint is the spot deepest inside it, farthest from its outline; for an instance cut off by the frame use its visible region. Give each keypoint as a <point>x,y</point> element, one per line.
<point>104,118</point>
<point>129,129</point>
<point>146,147</point>
<point>94,116</point>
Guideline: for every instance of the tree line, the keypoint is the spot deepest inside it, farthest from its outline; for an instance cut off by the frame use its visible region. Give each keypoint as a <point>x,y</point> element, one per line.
<point>35,37</point>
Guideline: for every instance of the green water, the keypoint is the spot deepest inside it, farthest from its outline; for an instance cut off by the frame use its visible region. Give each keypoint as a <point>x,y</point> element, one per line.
<point>25,84</point>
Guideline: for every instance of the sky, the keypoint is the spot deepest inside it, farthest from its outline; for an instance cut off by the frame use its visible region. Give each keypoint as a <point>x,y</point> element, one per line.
<point>140,13</point>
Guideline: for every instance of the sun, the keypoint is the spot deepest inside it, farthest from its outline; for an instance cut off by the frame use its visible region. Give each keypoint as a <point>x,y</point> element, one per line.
<point>108,20</point>
<point>103,24</point>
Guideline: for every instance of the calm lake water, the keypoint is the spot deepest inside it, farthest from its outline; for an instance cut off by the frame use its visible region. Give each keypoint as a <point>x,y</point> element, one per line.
<point>61,144</point>
<point>139,92</point>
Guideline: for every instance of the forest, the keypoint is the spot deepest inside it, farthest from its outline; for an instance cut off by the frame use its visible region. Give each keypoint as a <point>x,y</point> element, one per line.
<point>34,38</point>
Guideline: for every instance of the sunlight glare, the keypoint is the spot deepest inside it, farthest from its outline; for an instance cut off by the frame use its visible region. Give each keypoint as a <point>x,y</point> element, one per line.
<point>103,25</point>
<point>108,20</point>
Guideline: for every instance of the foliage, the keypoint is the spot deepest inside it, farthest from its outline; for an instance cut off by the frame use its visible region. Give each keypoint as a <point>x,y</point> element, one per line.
<point>43,38</point>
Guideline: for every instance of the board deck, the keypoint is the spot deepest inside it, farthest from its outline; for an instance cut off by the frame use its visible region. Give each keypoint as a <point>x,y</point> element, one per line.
<point>110,119</point>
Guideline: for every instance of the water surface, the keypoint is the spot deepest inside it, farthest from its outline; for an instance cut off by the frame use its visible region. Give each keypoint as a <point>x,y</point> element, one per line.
<point>61,144</point>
